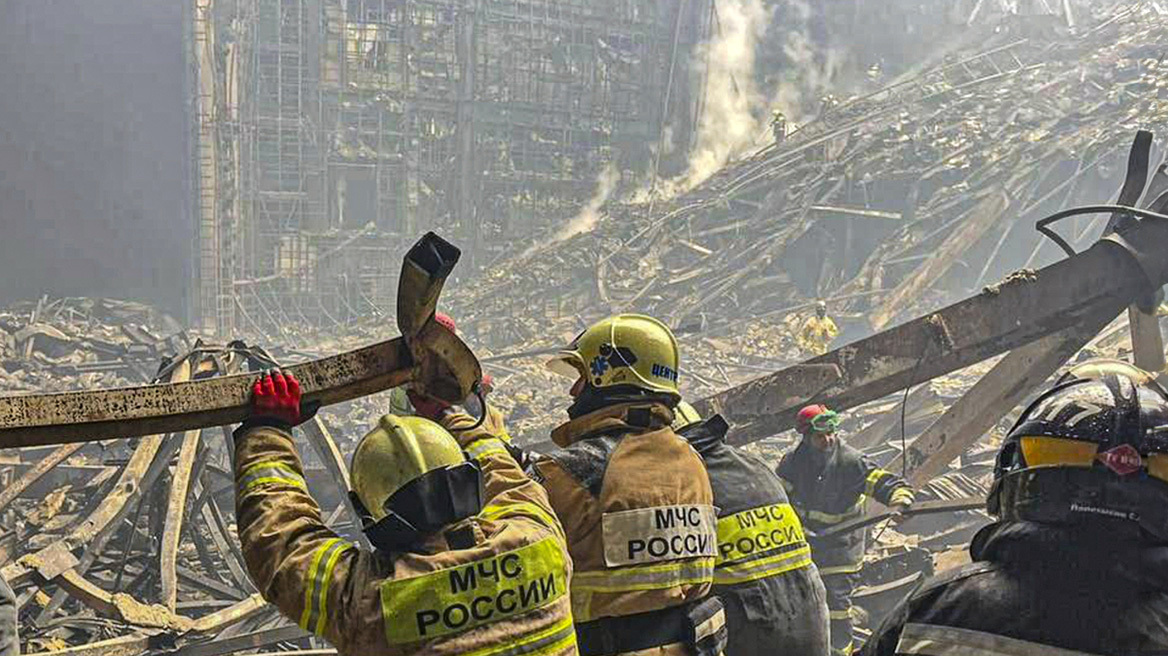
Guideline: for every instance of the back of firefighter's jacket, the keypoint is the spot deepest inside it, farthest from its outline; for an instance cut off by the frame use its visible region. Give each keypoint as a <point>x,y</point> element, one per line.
<point>637,509</point>
<point>496,584</point>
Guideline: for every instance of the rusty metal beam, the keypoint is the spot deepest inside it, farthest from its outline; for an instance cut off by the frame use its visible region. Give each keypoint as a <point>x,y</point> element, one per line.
<point>1090,288</point>
<point>175,515</point>
<point>431,356</point>
<point>990,399</point>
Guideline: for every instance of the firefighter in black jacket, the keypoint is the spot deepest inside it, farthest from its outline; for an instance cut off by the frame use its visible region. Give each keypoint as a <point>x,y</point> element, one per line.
<point>1077,562</point>
<point>775,601</point>
<point>829,482</point>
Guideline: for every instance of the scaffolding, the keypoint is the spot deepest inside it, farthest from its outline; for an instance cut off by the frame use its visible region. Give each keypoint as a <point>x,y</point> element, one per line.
<point>341,129</point>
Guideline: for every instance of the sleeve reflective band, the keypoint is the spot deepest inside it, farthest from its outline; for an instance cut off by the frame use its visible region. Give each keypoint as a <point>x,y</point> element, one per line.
<point>936,640</point>
<point>269,472</point>
<point>320,573</point>
<point>758,543</point>
<point>480,449</point>
<point>902,495</point>
<point>664,533</point>
<point>874,479</point>
<point>495,513</point>
<point>456,599</point>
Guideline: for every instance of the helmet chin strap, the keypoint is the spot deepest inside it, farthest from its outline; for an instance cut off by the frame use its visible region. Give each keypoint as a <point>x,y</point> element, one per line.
<point>424,506</point>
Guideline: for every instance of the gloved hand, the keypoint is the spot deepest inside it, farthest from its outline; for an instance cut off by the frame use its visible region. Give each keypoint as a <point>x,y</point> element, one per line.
<point>428,407</point>
<point>899,510</point>
<point>276,398</point>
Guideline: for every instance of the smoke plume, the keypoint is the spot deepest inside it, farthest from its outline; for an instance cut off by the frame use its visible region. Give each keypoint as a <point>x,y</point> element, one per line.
<point>588,216</point>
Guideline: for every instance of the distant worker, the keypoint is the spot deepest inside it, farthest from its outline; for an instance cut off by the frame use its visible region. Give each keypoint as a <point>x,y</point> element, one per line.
<point>775,601</point>
<point>818,332</point>
<point>634,498</point>
<point>469,558</point>
<point>779,126</point>
<point>1077,562</point>
<point>9,636</point>
<point>829,483</point>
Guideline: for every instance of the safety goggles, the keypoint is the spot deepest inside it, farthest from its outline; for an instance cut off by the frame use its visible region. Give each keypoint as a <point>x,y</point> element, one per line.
<point>826,422</point>
<point>1056,452</point>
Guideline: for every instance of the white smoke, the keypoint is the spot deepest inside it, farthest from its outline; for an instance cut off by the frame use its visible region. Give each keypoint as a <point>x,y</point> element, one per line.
<point>588,216</point>
<point>730,122</point>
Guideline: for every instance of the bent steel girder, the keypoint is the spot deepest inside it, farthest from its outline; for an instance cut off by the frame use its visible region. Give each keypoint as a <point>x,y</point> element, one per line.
<point>427,354</point>
<point>1088,289</point>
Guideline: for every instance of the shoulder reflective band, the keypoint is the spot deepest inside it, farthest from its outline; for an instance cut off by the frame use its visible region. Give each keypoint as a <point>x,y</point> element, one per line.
<point>494,513</point>
<point>457,599</point>
<point>320,573</point>
<point>651,535</point>
<point>936,640</point>
<point>758,543</point>
<point>269,472</point>
<point>480,449</point>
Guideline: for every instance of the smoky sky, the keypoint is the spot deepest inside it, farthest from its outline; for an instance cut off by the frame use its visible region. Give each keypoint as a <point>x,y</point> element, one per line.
<point>92,150</point>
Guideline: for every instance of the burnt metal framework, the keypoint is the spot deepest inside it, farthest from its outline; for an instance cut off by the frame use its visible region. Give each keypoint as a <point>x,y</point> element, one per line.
<point>335,131</point>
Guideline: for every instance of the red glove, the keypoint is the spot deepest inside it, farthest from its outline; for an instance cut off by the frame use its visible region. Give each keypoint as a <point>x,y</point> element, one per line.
<point>428,407</point>
<point>275,397</point>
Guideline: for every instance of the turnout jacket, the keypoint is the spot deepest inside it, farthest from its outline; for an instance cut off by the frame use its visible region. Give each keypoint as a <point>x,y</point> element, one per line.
<point>1040,591</point>
<point>492,585</point>
<point>775,601</point>
<point>831,487</point>
<point>637,509</point>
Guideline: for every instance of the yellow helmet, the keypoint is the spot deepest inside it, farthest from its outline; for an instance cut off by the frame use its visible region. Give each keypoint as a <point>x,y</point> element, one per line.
<point>685,415</point>
<point>395,453</point>
<point>627,349</point>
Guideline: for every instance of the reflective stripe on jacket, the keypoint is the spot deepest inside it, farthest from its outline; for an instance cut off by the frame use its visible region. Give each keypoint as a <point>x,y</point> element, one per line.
<point>493,585</point>
<point>637,508</point>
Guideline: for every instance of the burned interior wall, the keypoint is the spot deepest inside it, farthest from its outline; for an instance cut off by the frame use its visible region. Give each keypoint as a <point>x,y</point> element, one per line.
<point>343,128</point>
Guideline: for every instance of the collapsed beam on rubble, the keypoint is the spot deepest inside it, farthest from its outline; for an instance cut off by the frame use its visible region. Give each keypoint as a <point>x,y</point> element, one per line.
<point>1090,288</point>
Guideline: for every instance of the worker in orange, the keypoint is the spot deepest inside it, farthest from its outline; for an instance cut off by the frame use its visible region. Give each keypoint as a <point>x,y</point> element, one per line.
<point>634,498</point>
<point>818,332</point>
<point>829,483</point>
<point>469,557</point>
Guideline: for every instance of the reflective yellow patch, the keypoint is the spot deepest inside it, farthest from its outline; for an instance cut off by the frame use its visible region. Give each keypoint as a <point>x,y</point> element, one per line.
<point>1158,466</point>
<point>1039,451</point>
<point>761,530</point>
<point>457,599</point>
<point>659,534</point>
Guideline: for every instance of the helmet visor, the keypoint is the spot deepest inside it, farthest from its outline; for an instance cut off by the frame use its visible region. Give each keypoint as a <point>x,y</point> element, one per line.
<point>565,364</point>
<point>826,422</point>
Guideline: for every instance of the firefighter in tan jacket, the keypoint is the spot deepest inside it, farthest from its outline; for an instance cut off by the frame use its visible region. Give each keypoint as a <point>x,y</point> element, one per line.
<point>634,498</point>
<point>469,558</point>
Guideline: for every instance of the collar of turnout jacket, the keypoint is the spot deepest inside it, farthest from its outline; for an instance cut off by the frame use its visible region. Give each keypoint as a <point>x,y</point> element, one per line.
<point>620,418</point>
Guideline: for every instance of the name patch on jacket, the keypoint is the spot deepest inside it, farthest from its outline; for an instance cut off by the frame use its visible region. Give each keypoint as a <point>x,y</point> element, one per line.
<point>650,535</point>
<point>759,530</point>
<point>456,599</point>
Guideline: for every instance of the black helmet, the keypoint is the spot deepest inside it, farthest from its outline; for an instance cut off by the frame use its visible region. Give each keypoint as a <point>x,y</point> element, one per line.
<point>1092,449</point>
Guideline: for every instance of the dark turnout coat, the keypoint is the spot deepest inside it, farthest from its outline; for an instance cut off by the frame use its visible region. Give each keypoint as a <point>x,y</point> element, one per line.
<point>775,601</point>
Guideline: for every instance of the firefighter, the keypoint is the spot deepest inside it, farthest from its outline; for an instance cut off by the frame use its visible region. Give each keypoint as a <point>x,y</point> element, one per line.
<point>9,636</point>
<point>829,483</point>
<point>774,598</point>
<point>779,126</point>
<point>1077,561</point>
<point>818,332</point>
<point>634,497</point>
<point>469,557</point>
